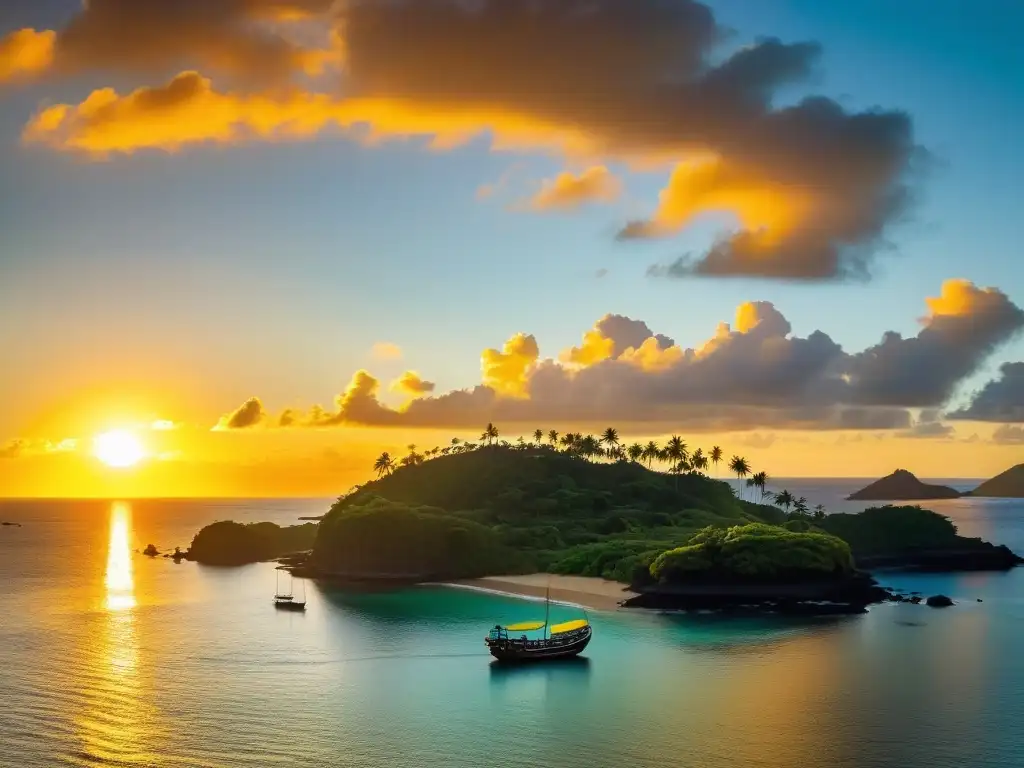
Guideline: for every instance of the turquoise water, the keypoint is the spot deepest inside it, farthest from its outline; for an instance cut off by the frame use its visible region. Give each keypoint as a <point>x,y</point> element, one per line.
<point>109,658</point>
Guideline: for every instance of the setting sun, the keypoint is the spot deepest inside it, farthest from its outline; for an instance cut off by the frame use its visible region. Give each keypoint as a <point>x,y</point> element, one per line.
<point>118,448</point>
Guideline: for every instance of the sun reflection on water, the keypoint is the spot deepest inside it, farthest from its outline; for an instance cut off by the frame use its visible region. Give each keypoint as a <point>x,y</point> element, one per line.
<point>119,581</point>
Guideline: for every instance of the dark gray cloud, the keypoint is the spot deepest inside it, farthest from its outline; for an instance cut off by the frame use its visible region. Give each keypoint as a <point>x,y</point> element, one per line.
<point>1001,399</point>
<point>1008,434</point>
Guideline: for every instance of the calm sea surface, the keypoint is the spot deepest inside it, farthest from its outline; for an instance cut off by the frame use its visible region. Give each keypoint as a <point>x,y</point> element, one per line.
<point>108,658</point>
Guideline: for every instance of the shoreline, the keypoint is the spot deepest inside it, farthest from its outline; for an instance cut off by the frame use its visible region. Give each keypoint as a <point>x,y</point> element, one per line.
<point>586,591</point>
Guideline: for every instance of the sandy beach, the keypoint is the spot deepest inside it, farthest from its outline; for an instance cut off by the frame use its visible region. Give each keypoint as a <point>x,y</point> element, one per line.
<point>599,594</point>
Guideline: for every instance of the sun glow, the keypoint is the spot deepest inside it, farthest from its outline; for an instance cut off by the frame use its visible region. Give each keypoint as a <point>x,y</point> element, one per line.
<point>119,581</point>
<point>118,448</point>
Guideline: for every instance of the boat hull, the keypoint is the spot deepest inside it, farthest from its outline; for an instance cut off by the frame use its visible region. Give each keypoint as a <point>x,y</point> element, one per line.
<point>288,605</point>
<point>513,651</point>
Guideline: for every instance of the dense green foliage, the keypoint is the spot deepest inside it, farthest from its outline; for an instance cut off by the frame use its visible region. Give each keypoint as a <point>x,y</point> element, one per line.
<point>383,538</point>
<point>558,512</point>
<point>754,552</point>
<point>231,543</point>
<point>892,529</point>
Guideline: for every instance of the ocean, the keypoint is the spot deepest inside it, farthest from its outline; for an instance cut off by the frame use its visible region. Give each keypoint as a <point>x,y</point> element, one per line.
<point>109,658</point>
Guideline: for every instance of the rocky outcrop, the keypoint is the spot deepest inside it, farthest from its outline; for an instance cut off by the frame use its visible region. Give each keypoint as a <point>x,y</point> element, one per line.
<point>902,485</point>
<point>851,594</point>
<point>938,601</point>
<point>1008,484</point>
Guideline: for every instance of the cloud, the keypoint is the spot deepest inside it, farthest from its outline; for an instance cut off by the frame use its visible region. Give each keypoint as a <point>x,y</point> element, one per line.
<point>25,53</point>
<point>21,448</point>
<point>411,385</point>
<point>1008,434</point>
<point>506,372</point>
<point>928,426</point>
<point>964,325</point>
<point>751,374</point>
<point>569,191</point>
<point>247,39</point>
<point>385,350</point>
<point>813,186</point>
<point>1001,399</point>
<point>248,414</point>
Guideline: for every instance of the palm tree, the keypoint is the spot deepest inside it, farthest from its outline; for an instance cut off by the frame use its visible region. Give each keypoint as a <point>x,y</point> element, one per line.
<point>384,465</point>
<point>589,446</point>
<point>699,461</point>
<point>760,481</point>
<point>716,456</point>
<point>520,443</point>
<point>538,435</point>
<point>819,511</point>
<point>741,469</point>
<point>800,506</point>
<point>650,453</point>
<point>553,437</point>
<point>610,437</point>
<point>675,452</point>
<point>568,441</point>
<point>784,499</point>
<point>490,434</point>
<point>635,451</point>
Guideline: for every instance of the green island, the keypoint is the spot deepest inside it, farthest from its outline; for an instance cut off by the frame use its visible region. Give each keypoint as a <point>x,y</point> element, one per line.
<point>585,506</point>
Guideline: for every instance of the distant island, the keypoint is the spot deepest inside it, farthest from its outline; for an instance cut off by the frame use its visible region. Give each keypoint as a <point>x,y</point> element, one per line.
<point>678,538</point>
<point>902,485</point>
<point>1008,484</point>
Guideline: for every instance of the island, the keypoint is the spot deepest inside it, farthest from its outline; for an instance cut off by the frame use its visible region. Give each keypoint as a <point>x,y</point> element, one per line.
<point>902,485</point>
<point>500,517</point>
<point>229,543</point>
<point>1008,484</point>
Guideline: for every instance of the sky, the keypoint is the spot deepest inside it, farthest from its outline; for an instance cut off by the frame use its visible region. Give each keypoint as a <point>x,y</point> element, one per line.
<point>271,238</point>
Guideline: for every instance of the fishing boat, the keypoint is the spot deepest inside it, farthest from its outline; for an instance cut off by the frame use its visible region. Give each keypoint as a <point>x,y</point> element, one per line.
<point>286,601</point>
<point>560,641</point>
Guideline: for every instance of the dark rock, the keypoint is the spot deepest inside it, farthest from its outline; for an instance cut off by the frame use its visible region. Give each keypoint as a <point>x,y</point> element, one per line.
<point>13,525</point>
<point>939,601</point>
<point>831,596</point>
<point>915,599</point>
<point>980,600</point>
<point>150,551</point>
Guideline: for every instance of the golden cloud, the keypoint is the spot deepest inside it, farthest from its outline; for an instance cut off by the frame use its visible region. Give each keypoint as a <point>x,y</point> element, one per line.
<point>410,384</point>
<point>569,191</point>
<point>507,372</point>
<point>385,350</point>
<point>25,53</point>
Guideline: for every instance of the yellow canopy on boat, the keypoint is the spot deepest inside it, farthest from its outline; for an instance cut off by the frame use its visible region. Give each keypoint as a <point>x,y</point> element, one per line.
<point>569,626</point>
<point>525,626</point>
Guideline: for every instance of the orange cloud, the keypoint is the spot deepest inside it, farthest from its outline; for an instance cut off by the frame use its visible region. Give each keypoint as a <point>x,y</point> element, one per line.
<point>594,349</point>
<point>569,191</point>
<point>385,350</point>
<point>960,297</point>
<point>25,52</point>
<point>411,385</point>
<point>507,371</point>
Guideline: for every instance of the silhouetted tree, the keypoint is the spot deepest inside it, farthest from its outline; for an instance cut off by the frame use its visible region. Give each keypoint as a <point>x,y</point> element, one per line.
<point>610,437</point>
<point>538,436</point>
<point>819,511</point>
<point>800,506</point>
<point>553,437</point>
<point>716,457</point>
<point>784,499</point>
<point>741,469</point>
<point>384,465</point>
<point>635,452</point>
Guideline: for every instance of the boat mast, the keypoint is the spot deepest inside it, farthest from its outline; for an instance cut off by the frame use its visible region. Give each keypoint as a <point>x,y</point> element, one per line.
<point>547,608</point>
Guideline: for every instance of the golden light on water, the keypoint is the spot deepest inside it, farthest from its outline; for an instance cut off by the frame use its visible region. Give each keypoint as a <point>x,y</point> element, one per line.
<point>119,580</point>
<point>118,448</point>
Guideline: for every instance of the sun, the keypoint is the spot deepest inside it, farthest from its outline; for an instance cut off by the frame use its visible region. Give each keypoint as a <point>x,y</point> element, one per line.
<point>118,448</point>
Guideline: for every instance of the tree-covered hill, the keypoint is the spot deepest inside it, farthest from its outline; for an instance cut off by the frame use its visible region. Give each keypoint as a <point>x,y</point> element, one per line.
<point>548,510</point>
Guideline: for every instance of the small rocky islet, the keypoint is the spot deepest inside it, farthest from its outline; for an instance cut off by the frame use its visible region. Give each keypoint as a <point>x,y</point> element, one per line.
<point>682,541</point>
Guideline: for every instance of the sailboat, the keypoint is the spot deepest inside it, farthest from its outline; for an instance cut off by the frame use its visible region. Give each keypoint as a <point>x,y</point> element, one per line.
<point>286,601</point>
<point>560,641</point>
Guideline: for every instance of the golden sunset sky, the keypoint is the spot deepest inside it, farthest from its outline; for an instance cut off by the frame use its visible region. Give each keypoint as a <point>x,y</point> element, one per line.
<point>247,246</point>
